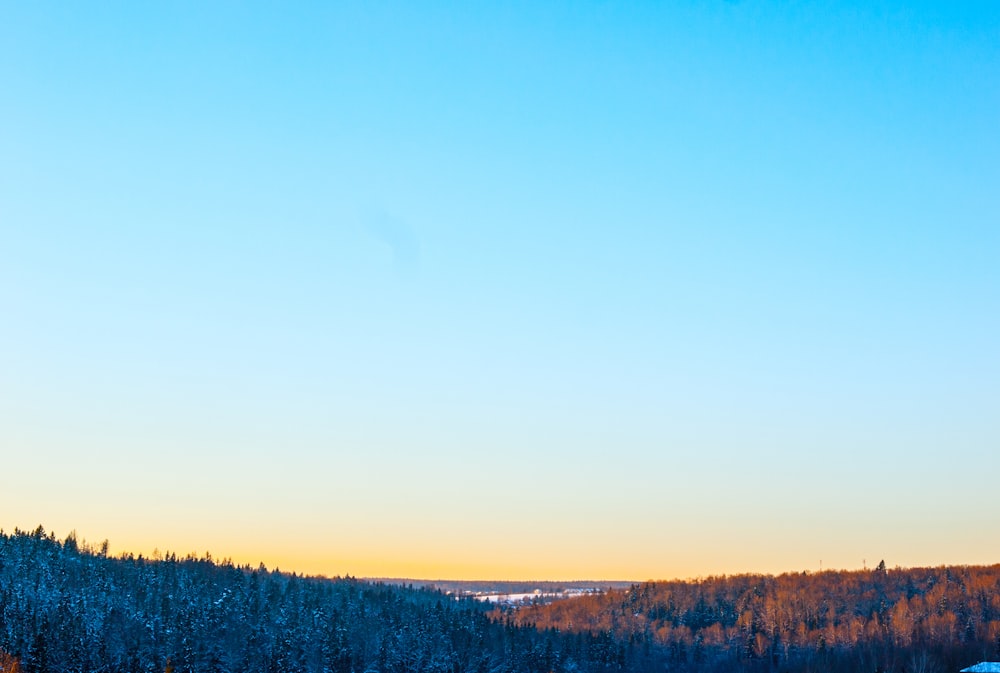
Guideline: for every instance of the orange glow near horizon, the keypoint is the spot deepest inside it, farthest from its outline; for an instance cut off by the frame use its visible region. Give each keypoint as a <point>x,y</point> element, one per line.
<point>509,562</point>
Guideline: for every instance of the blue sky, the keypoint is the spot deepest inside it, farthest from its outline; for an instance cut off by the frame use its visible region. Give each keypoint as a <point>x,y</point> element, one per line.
<point>655,289</point>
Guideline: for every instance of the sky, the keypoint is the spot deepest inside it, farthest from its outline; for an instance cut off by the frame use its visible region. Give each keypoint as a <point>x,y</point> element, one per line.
<point>562,290</point>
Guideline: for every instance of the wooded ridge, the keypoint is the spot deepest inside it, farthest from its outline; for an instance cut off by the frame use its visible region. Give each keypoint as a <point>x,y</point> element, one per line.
<point>912,620</point>
<point>69,608</point>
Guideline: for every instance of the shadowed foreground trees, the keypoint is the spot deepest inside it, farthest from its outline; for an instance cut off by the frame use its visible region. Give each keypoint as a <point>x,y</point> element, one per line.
<point>64,609</point>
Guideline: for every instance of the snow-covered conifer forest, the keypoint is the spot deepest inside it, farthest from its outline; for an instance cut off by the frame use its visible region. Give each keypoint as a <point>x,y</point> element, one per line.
<point>69,608</point>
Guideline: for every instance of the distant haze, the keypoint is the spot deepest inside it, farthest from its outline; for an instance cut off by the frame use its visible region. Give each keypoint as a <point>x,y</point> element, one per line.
<point>535,291</point>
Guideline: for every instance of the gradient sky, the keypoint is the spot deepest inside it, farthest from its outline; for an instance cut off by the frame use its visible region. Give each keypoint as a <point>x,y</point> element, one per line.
<point>504,290</point>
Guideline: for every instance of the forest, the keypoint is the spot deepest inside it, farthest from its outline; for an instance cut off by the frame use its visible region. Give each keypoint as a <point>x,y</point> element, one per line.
<point>917,620</point>
<point>68,607</point>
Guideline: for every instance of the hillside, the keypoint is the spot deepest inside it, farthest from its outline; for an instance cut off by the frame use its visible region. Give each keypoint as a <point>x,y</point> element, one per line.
<point>917,620</point>
<point>67,608</point>
<point>64,608</point>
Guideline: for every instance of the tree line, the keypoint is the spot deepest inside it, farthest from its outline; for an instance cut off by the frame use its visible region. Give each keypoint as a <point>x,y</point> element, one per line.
<point>917,620</point>
<point>69,608</point>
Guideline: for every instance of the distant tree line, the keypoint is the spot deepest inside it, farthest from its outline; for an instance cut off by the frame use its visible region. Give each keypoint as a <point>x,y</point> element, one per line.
<point>69,608</point>
<point>919,620</point>
<point>508,586</point>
